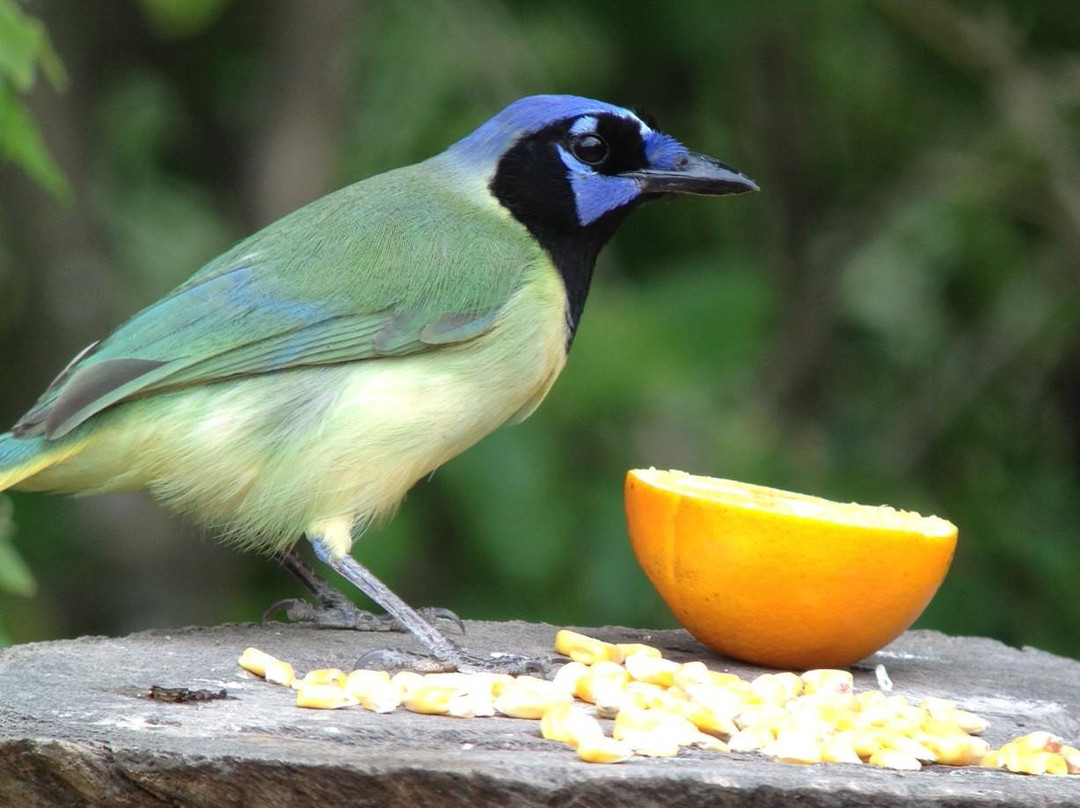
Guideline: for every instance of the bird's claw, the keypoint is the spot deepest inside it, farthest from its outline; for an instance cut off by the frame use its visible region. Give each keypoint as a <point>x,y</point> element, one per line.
<point>345,615</point>
<point>395,659</point>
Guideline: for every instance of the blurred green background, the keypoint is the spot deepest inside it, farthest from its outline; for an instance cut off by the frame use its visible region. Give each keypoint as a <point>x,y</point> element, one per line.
<point>895,318</point>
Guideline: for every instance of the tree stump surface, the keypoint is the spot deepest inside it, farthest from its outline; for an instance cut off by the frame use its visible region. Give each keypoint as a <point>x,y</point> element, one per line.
<point>77,729</point>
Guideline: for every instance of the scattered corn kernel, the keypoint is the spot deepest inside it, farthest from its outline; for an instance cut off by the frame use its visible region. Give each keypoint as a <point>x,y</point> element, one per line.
<point>659,706</point>
<point>601,749</point>
<point>629,649</point>
<point>561,722</point>
<point>894,759</point>
<point>269,667</point>
<point>585,649</point>
<point>794,749</point>
<point>323,676</point>
<point>430,698</point>
<point>323,697</point>
<point>653,670</point>
<point>827,680</point>
<point>750,739</point>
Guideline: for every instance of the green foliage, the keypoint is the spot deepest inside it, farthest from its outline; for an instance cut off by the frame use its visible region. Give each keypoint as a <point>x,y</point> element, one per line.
<point>24,49</point>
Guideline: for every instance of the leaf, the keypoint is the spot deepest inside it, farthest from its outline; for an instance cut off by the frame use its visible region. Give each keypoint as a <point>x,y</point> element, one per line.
<point>181,18</point>
<point>24,44</point>
<point>21,143</point>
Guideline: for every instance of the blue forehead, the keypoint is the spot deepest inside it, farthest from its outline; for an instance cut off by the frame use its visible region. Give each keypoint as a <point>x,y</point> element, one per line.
<point>530,114</point>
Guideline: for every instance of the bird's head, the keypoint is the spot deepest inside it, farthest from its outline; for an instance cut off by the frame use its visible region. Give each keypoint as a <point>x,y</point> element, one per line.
<point>570,169</point>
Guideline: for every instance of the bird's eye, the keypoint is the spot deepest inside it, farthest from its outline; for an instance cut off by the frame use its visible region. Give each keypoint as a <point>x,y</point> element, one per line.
<point>590,149</point>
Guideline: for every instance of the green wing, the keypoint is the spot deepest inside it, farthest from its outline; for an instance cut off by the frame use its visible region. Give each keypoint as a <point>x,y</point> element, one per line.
<point>391,266</point>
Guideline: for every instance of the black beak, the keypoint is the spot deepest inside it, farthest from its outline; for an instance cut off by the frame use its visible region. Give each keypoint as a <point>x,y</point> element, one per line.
<point>698,174</point>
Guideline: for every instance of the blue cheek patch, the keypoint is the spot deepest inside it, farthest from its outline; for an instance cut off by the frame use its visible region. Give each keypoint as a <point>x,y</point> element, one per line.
<point>596,194</point>
<point>664,152</point>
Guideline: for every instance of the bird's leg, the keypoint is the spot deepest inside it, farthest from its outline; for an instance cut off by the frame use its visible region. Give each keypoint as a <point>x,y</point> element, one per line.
<point>332,609</point>
<point>445,654</point>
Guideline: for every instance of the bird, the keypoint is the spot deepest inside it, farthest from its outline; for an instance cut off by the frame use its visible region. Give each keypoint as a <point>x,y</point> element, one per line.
<point>299,384</point>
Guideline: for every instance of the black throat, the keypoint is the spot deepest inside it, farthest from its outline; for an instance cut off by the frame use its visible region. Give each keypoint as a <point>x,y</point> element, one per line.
<point>530,181</point>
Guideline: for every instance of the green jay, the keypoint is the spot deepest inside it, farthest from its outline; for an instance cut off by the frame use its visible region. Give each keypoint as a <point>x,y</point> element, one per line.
<point>301,382</point>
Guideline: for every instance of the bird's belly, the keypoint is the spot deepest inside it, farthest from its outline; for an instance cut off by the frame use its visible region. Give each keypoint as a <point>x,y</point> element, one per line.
<point>265,457</point>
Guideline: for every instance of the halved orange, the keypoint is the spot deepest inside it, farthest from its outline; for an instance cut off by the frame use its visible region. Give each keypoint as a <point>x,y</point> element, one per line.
<point>782,579</point>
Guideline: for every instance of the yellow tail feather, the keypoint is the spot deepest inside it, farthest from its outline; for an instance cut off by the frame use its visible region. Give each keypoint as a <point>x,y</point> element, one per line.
<point>38,461</point>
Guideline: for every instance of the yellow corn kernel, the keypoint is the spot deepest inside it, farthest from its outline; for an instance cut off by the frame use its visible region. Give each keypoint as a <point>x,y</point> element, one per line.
<point>323,697</point>
<point>956,749</point>
<point>894,759</point>
<point>866,741</point>
<point>653,670</point>
<point>609,697</point>
<point>323,676</point>
<point>709,743</point>
<point>587,650</point>
<point>568,676</point>
<point>705,718</point>
<point>490,683</point>
<point>724,701</point>
<point>603,750</point>
<point>838,750</point>
<point>476,702</point>
<point>631,721</point>
<point>791,682</point>
<point>969,722</point>
<point>629,649</point>
<point>940,727</point>
<point>1072,758</point>
<point>870,700</point>
<point>601,674</point>
<point>360,682</point>
<point>794,748</point>
<point>770,718</point>
<point>1028,762</point>
<point>992,760</point>
<point>767,689</point>
<point>1040,741</point>
<point>561,722</point>
<point>691,673</point>
<point>269,667</point>
<point>750,739</point>
<point>902,743</point>
<point>529,702</point>
<point>827,680</point>
<point>379,699</point>
<point>406,682</point>
<point>430,699</point>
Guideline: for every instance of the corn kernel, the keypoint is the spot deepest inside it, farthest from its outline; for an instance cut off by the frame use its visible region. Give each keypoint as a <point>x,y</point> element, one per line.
<point>654,670</point>
<point>380,699</point>
<point>1072,758</point>
<point>956,749</point>
<point>826,680</point>
<point>629,649</point>
<point>894,759</point>
<point>1027,762</point>
<point>603,750</point>
<point>769,718</point>
<point>568,676</point>
<point>706,719</point>
<point>406,682</point>
<point>871,700</point>
<point>561,722</point>
<point>269,667</point>
<point>323,697</point>
<point>601,674</point>
<point>902,743</point>
<point>969,722</point>
<point>529,701</point>
<point>838,750</point>
<point>770,690</point>
<point>721,699</point>
<point>361,682</point>
<point>794,749</point>
<point>430,699</point>
<point>750,739</point>
<point>632,721</point>
<point>475,702</point>
<point>992,760</point>
<point>587,650</point>
<point>323,676</point>
<point>1037,742</point>
<point>709,743</point>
